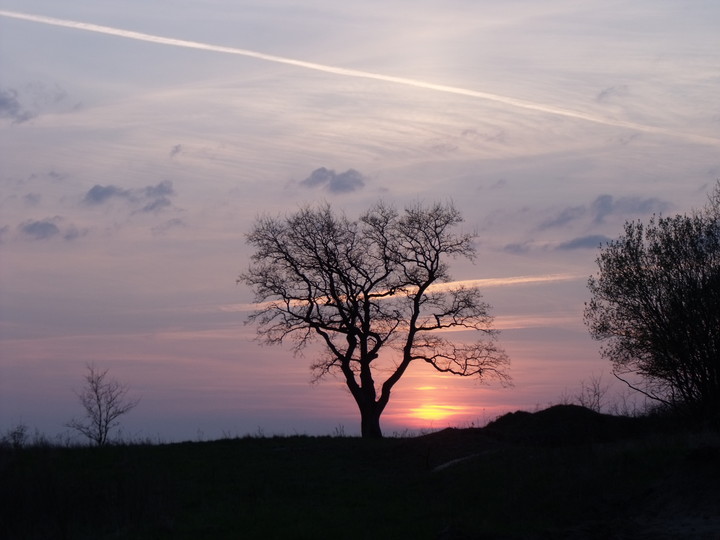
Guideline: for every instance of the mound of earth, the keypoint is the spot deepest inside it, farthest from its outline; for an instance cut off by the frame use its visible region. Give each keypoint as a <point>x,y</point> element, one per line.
<point>562,424</point>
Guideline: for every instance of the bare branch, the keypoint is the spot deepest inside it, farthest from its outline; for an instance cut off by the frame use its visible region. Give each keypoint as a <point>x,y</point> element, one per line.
<point>104,401</point>
<point>358,286</point>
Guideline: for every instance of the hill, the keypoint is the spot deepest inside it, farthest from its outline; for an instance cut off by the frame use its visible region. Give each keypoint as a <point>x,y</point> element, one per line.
<point>565,472</point>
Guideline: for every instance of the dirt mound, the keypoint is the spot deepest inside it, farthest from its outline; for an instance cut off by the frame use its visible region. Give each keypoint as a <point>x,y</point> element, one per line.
<point>562,424</point>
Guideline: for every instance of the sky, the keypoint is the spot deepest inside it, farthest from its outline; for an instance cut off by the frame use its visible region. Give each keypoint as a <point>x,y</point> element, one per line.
<point>139,141</point>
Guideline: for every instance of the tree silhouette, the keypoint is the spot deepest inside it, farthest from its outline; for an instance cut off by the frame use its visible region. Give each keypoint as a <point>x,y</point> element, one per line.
<point>363,287</point>
<point>104,401</point>
<point>656,304</point>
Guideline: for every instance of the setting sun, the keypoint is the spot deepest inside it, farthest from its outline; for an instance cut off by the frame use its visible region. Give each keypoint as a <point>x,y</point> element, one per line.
<point>436,412</point>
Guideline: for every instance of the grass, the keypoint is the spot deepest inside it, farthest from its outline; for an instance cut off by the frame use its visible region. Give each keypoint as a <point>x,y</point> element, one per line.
<point>644,481</point>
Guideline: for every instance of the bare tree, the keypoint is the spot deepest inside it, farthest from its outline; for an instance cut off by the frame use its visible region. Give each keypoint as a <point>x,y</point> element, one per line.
<point>104,400</point>
<point>592,393</point>
<point>363,287</point>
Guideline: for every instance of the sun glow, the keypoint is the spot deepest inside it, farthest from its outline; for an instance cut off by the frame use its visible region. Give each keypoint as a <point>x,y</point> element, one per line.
<point>430,411</point>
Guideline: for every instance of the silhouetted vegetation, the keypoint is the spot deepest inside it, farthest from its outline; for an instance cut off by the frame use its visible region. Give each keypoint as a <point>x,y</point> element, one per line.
<point>564,472</point>
<point>656,305</point>
<point>104,401</point>
<point>362,287</point>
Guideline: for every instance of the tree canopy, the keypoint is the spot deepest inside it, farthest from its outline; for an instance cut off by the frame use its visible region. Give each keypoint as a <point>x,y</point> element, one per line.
<point>656,305</point>
<point>364,287</point>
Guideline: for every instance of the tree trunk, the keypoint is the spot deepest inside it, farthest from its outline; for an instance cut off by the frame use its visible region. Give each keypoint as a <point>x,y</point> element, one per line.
<point>370,421</point>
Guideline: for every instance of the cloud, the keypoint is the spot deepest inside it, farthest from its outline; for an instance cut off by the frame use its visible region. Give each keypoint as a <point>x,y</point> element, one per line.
<point>347,72</point>
<point>483,283</point>
<point>567,215</point>
<point>606,205</point>
<point>54,175</point>
<point>28,102</point>
<point>72,232</point>
<point>591,241</point>
<point>346,182</point>
<point>517,248</point>
<point>45,229</point>
<point>318,177</point>
<point>156,205</point>
<point>32,199</point>
<point>10,107</point>
<point>100,194</point>
<point>160,190</point>
<point>498,135</point>
<point>163,228</point>
<point>39,230</point>
<point>148,199</point>
<point>157,197</point>
<point>611,92</point>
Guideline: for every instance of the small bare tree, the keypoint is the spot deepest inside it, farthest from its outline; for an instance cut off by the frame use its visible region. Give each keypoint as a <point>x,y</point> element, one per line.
<point>592,393</point>
<point>104,400</point>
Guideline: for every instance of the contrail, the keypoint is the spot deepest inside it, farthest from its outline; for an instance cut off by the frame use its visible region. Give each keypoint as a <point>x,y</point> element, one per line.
<point>506,281</point>
<point>439,287</point>
<point>518,103</point>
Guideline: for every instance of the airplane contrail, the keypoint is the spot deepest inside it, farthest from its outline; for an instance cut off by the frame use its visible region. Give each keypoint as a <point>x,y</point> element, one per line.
<point>440,287</point>
<point>346,72</point>
<point>506,281</point>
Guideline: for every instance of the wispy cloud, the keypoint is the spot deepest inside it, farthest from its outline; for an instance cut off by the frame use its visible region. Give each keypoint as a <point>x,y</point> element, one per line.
<point>504,282</point>
<point>515,322</point>
<point>45,229</point>
<point>564,217</point>
<point>517,248</point>
<point>32,199</point>
<point>604,206</point>
<point>20,105</point>
<point>345,182</point>
<point>40,229</point>
<point>591,241</point>
<point>101,194</point>
<point>149,199</point>
<point>612,92</point>
<point>171,224</point>
<point>346,72</point>
<point>439,287</point>
<point>11,108</point>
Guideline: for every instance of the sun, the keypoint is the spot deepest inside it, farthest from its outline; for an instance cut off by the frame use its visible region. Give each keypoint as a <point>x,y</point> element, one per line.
<point>429,411</point>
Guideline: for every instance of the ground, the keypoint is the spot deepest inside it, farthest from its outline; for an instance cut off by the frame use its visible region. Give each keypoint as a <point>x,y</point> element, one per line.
<point>565,472</point>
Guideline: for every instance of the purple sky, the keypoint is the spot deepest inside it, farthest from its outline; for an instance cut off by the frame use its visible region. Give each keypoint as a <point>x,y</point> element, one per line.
<point>136,152</point>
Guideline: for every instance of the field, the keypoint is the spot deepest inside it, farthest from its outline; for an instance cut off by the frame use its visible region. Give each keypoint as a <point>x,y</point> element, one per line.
<point>564,472</point>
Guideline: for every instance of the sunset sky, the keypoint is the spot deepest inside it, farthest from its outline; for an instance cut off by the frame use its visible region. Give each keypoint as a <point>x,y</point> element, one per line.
<point>139,141</point>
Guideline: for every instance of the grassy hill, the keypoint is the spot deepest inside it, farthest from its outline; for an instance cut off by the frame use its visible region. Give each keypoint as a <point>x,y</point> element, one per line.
<point>564,472</point>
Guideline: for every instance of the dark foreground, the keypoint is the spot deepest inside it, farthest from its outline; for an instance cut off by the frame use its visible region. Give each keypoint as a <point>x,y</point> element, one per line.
<point>560,473</point>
